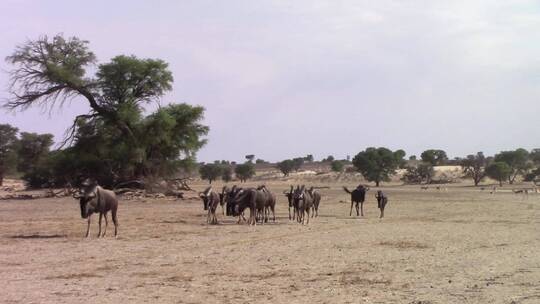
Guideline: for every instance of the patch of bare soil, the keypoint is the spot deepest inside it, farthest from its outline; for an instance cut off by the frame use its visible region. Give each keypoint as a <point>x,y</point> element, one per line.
<point>458,246</point>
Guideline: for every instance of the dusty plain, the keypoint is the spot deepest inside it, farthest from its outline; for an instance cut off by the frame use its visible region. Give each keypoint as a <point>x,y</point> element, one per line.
<point>460,246</point>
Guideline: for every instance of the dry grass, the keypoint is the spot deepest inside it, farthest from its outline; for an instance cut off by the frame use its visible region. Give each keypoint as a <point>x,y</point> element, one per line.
<point>460,246</point>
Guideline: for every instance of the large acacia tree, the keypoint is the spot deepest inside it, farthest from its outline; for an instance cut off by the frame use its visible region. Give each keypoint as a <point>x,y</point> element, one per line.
<point>378,164</point>
<point>114,139</point>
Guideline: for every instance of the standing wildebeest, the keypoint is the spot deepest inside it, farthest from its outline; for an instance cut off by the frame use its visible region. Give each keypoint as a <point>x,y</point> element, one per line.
<point>358,196</point>
<point>290,199</point>
<point>211,202</point>
<point>228,197</point>
<point>248,198</point>
<point>269,204</point>
<point>382,200</point>
<point>316,201</point>
<point>304,201</point>
<point>93,199</point>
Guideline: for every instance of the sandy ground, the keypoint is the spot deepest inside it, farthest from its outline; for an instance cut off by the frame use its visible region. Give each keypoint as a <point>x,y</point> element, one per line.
<point>460,246</point>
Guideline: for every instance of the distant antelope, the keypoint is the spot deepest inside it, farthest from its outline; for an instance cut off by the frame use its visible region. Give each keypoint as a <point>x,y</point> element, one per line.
<point>525,192</point>
<point>442,188</point>
<point>424,188</point>
<point>493,190</point>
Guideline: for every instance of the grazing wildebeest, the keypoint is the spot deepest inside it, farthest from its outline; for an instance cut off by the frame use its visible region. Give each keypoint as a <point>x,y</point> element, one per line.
<point>304,201</point>
<point>316,201</point>
<point>289,196</point>
<point>223,198</point>
<point>93,199</point>
<point>269,204</point>
<point>382,200</point>
<point>211,202</point>
<point>358,196</point>
<point>248,198</point>
<point>229,196</point>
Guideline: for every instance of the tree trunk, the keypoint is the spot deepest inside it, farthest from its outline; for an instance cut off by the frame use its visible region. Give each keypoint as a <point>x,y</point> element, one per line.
<point>377,183</point>
<point>1,176</point>
<point>500,182</point>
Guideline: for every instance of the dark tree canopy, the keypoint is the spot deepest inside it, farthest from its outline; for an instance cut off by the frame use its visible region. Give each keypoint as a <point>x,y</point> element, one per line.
<point>227,173</point>
<point>516,160</point>
<point>297,163</point>
<point>285,166</point>
<point>377,164</point>
<point>113,141</point>
<point>474,167</point>
<point>8,146</point>
<point>244,171</point>
<point>337,166</point>
<point>211,172</point>
<point>499,171</point>
<point>434,157</point>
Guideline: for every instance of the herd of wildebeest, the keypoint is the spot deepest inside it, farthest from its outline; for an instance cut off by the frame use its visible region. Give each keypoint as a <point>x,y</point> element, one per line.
<point>261,203</point>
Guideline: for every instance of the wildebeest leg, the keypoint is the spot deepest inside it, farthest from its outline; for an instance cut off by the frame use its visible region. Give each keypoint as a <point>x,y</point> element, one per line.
<point>115,221</point>
<point>106,224</point>
<point>88,228</point>
<point>350,213</point>
<point>99,230</point>
<point>356,206</point>
<point>308,216</point>
<point>382,212</point>
<point>274,214</point>
<point>289,212</point>
<point>362,208</point>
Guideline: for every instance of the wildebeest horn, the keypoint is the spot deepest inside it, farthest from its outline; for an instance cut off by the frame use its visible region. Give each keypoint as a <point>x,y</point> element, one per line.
<point>77,195</point>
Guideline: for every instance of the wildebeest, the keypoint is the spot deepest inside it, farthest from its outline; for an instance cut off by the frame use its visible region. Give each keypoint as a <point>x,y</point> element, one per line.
<point>269,204</point>
<point>316,201</point>
<point>248,199</point>
<point>228,198</point>
<point>94,199</point>
<point>358,196</point>
<point>304,201</point>
<point>211,201</point>
<point>382,200</point>
<point>289,196</point>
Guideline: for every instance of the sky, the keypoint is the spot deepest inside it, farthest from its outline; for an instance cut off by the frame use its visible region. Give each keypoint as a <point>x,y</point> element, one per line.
<point>282,79</point>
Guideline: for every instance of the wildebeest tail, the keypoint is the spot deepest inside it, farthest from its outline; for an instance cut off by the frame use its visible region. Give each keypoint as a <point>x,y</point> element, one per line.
<point>346,190</point>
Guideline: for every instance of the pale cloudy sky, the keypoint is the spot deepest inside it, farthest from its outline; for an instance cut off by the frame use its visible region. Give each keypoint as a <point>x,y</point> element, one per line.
<point>281,79</point>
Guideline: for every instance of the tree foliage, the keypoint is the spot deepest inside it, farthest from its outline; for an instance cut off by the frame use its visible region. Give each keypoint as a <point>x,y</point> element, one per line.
<point>227,173</point>
<point>434,157</point>
<point>8,146</point>
<point>516,160</point>
<point>423,173</point>
<point>285,166</point>
<point>377,164</point>
<point>499,171</point>
<point>244,171</point>
<point>210,172</point>
<point>474,167</point>
<point>113,141</point>
<point>297,163</point>
<point>337,166</point>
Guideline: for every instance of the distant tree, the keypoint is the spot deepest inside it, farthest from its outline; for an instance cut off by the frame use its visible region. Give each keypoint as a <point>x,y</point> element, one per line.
<point>286,166</point>
<point>33,158</point>
<point>8,155</point>
<point>337,166</point>
<point>377,164</point>
<point>434,157</point>
<point>517,160</point>
<point>330,158</point>
<point>426,172</point>
<point>499,171</point>
<point>250,157</point>
<point>309,158</point>
<point>400,155</point>
<point>474,166</point>
<point>227,172</point>
<point>244,171</point>
<point>298,162</point>
<point>211,172</point>
<point>412,157</point>
<point>260,161</point>
<point>418,174</point>
<point>534,156</point>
